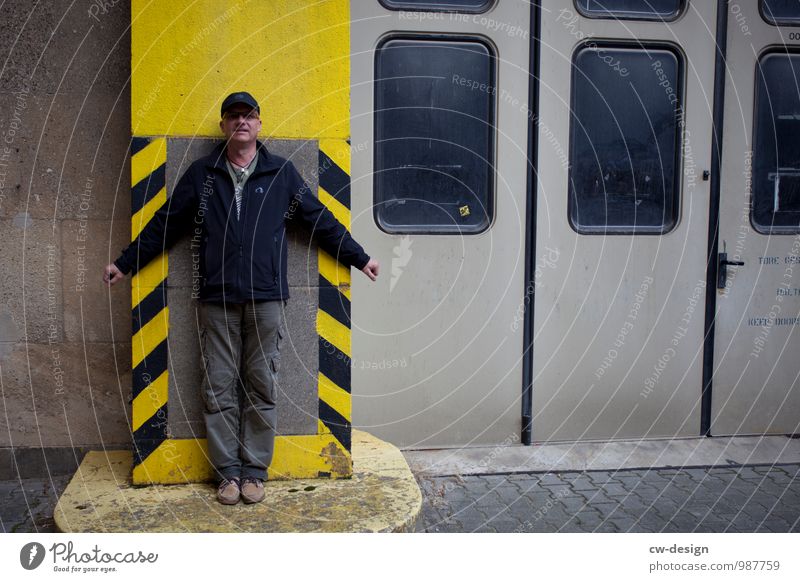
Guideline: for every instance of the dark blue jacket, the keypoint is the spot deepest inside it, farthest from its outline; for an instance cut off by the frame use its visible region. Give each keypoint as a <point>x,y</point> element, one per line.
<point>246,259</point>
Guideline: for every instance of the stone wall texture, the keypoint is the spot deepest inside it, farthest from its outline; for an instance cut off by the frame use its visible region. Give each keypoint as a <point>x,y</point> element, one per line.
<point>64,213</point>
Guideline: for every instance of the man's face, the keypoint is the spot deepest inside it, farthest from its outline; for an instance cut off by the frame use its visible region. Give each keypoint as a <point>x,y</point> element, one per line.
<point>240,124</point>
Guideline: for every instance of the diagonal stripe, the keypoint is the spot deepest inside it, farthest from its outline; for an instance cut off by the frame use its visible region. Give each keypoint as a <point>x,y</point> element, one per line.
<point>335,397</point>
<point>148,307</point>
<point>333,302</point>
<point>335,423</point>
<point>334,364</point>
<point>150,276</point>
<point>151,367</point>
<point>138,144</point>
<point>149,336</point>
<point>334,272</point>
<point>143,216</point>
<point>341,213</point>
<point>334,332</point>
<point>143,443</point>
<point>150,400</point>
<point>337,150</point>
<point>335,181</point>
<point>147,187</point>
<point>144,162</point>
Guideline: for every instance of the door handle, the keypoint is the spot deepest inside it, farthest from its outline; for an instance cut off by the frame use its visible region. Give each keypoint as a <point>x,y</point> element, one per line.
<point>722,269</point>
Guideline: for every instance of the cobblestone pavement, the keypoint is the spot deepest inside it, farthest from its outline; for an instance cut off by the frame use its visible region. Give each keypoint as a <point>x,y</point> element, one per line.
<point>720,499</point>
<point>26,505</point>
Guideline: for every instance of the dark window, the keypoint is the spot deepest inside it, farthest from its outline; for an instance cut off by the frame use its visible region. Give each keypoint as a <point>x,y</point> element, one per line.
<point>624,140</point>
<point>434,111</point>
<point>439,5</point>
<point>776,147</point>
<point>630,9</point>
<point>781,11</point>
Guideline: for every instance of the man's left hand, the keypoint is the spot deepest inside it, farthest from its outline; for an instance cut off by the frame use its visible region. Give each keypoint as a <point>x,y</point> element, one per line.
<point>371,269</point>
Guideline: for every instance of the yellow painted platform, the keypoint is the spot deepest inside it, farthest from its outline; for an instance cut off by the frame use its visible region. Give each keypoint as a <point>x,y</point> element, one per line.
<point>382,496</point>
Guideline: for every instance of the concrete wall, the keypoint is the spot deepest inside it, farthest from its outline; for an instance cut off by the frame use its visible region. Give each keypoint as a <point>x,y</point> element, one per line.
<point>297,382</point>
<point>64,212</point>
<point>66,120</point>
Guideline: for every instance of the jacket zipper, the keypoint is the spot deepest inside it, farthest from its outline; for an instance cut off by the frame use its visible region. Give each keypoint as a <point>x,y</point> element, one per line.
<point>242,225</point>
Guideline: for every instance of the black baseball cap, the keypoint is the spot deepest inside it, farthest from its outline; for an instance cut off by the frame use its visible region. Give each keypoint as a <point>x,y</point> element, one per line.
<point>239,97</point>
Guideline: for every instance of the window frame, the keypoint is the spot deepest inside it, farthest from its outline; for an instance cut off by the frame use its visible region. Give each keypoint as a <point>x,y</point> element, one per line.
<point>773,22</point>
<point>680,132</point>
<point>490,161</point>
<point>654,18</point>
<point>399,5</point>
<point>760,228</point>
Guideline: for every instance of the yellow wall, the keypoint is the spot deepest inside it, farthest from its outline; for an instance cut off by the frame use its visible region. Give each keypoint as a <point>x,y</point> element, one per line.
<point>292,55</point>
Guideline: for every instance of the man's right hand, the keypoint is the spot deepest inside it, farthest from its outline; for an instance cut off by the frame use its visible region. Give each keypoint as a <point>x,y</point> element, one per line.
<point>112,275</point>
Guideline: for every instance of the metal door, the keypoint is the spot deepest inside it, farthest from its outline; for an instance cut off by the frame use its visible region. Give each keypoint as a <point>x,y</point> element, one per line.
<point>755,384</point>
<point>439,147</point>
<point>625,127</point>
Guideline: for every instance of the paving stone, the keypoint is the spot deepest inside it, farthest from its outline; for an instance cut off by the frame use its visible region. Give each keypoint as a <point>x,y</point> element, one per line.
<point>614,489</point>
<point>573,505</point>
<point>472,521</point>
<point>507,496</point>
<point>605,509</point>
<point>582,484</point>
<point>625,524</point>
<point>781,477</point>
<point>598,497</point>
<point>493,481</point>
<point>749,474</point>
<point>551,479</point>
<point>629,481</point>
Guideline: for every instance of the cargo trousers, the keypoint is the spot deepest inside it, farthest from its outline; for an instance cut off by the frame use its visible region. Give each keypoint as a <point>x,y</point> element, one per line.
<point>240,344</point>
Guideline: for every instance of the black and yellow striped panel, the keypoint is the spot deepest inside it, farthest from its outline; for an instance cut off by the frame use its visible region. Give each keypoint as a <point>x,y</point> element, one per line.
<point>149,303</point>
<point>333,316</point>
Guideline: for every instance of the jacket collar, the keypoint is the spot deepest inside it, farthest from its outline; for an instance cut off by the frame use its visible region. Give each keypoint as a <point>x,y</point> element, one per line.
<point>266,161</point>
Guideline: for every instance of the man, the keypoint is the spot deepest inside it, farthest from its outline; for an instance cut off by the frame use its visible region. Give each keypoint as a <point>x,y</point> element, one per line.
<point>238,199</point>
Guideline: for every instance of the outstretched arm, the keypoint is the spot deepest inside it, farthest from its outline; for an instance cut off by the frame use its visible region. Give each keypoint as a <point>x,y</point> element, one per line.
<point>161,232</point>
<point>329,232</point>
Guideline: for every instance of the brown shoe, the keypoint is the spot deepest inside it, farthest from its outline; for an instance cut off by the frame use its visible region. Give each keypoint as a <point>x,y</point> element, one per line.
<point>228,492</point>
<point>252,490</point>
